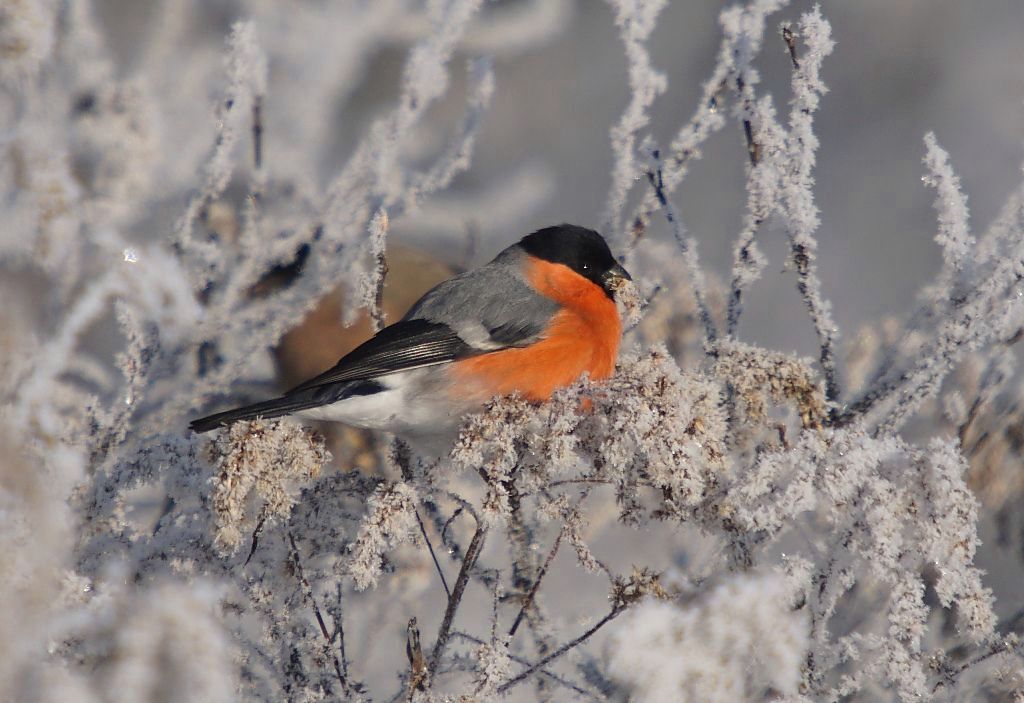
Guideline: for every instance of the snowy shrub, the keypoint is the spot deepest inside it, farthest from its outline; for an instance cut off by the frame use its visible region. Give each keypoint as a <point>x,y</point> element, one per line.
<point>718,521</point>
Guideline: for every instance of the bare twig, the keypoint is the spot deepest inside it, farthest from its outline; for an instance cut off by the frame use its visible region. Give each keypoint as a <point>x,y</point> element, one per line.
<point>256,535</point>
<point>453,548</point>
<point>444,632</point>
<point>616,610</point>
<point>307,591</point>
<point>433,555</point>
<point>339,631</point>
<point>655,177</point>
<point>790,38</point>
<point>528,601</point>
<point>753,148</point>
<point>560,680</point>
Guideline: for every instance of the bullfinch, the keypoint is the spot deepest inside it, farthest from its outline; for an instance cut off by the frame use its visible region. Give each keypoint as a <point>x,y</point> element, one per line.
<point>533,320</point>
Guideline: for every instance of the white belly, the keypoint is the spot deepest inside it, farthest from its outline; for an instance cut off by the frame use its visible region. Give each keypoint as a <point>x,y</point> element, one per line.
<point>412,403</point>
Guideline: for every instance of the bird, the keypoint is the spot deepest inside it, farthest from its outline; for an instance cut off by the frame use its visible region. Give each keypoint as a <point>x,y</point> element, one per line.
<point>535,319</point>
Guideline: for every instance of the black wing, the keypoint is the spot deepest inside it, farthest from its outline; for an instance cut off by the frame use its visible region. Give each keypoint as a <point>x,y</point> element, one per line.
<point>407,344</point>
<point>288,404</point>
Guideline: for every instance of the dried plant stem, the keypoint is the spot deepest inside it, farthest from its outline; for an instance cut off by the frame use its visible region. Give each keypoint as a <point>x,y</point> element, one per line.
<point>418,674</point>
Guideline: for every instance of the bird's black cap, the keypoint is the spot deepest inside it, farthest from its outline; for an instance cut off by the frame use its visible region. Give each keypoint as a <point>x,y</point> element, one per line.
<point>581,249</point>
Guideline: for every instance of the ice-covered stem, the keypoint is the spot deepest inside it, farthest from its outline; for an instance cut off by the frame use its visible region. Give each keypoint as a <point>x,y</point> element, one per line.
<point>247,84</point>
<point>457,155</point>
<point>762,192</point>
<point>954,233</point>
<point>688,245</point>
<point>987,311</point>
<point>801,212</point>
<point>1009,647</point>
<point>34,403</point>
<point>742,37</point>
<point>378,243</point>
<point>636,20</point>
<point>960,253</point>
<point>143,345</point>
<point>369,284</point>
<point>977,300</point>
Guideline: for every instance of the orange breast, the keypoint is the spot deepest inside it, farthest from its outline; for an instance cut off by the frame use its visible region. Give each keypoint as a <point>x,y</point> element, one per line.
<point>582,337</point>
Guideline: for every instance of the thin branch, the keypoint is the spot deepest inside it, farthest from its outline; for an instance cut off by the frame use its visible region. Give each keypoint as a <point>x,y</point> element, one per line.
<point>444,632</point>
<point>496,591</point>
<point>339,630</point>
<point>307,591</point>
<point>256,535</point>
<point>615,612</point>
<point>688,245</point>
<point>433,555</point>
<point>950,675</point>
<point>802,213</point>
<point>453,547</point>
<point>747,261</point>
<point>562,681</point>
<point>528,601</point>
<point>753,147</point>
<point>573,481</point>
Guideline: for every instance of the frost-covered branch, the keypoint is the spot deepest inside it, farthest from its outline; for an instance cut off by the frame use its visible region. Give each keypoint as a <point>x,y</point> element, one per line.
<point>636,21</point>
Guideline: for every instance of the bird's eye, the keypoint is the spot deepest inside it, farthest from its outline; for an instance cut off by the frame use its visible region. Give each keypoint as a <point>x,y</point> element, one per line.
<point>585,266</point>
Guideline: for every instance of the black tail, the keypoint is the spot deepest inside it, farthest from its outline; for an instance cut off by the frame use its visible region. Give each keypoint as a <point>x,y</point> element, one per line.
<point>288,404</point>
<point>267,409</point>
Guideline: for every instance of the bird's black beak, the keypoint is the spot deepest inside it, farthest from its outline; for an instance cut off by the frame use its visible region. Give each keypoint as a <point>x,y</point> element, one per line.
<point>614,277</point>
